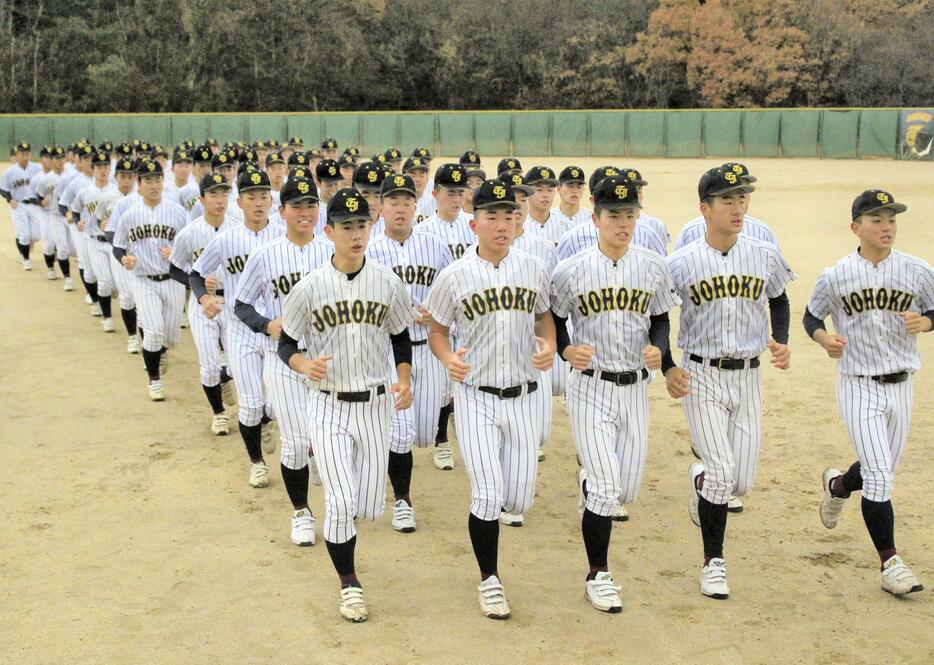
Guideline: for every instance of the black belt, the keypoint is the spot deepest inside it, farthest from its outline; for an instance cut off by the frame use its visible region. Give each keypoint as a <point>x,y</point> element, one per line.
<point>511,392</point>
<point>419,342</point>
<point>362,396</point>
<point>620,378</point>
<point>896,377</point>
<point>727,363</point>
<point>101,238</point>
<point>219,292</point>
<point>158,278</point>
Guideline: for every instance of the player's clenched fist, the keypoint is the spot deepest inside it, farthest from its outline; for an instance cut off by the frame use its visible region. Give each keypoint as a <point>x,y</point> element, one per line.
<point>781,355</point>
<point>403,394</point>
<point>424,317</point>
<point>915,323</point>
<point>833,344</point>
<point>652,356</point>
<point>274,328</point>
<point>579,356</point>
<point>544,358</point>
<point>313,369</point>
<point>457,368</point>
<point>676,381</point>
<point>128,261</point>
<point>211,305</point>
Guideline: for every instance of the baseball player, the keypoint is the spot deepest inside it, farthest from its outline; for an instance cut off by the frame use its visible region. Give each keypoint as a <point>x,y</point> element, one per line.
<point>346,166</point>
<point>349,311</point>
<point>508,166</point>
<point>125,280</point>
<point>40,212</point>
<point>541,222</point>
<point>68,189</point>
<point>498,299</point>
<point>449,222</point>
<point>475,178</point>
<point>190,193</point>
<point>329,178</point>
<point>724,281</point>
<point>14,187</point>
<point>208,334</point>
<point>618,297</point>
<point>276,169</point>
<point>880,300</point>
<point>225,164</point>
<point>143,243</point>
<point>394,159</point>
<point>417,258</point>
<point>245,349</point>
<point>329,148</point>
<point>417,169</point>
<point>368,178</point>
<point>570,194</point>
<point>47,192</point>
<point>271,272</point>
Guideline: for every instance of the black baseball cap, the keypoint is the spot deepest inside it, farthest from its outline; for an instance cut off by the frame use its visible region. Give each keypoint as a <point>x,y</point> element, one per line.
<point>540,175</point>
<point>633,176</point>
<point>56,152</point>
<point>298,189</point>
<point>247,166</point>
<point>598,175</point>
<point>296,141</point>
<point>352,151</point>
<point>571,174</point>
<point>300,172</point>
<point>100,158</point>
<point>415,164</point>
<point>44,151</point>
<point>348,205</point>
<point>211,141</point>
<point>719,181</point>
<point>397,184</point>
<point>494,193</point>
<point>147,167</point>
<point>368,176</point>
<point>874,200</point>
<point>247,155</point>
<point>739,169</point>
<point>84,152</point>
<point>327,169</point>
<point>379,158</point>
<point>274,157</point>
<point>470,159</point>
<point>615,193</point>
<point>106,146</point>
<point>202,154</point>
<point>252,179</point>
<point>273,143</point>
<point>298,159</point>
<point>182,156</point>
<point>509,165</point>
<point>313,153</point>
<point>451,176</point>
<point>221,159</point>
<point>422,152</point>
<point>124,149</point>
<point>124,165</point>
<point>159,151</point>
<point>213,181</point>
<point>476,172</point>
<point>393,155</point>
<point>22,146</point>
<point>329,144</point>
<point>345,160</point>
<point>516,181</point>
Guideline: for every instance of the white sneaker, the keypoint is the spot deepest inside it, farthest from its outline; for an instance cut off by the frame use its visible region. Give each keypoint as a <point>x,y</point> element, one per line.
<point>443,457</point>
<point>156,391</point>
<point>69,284</point>
<point>50,274</point>
<point>303,528</point>
<point>87,299</point>
<point>163,363</point>
<point>352,606</point>
<point>269,441</point>
<point>108,325</point>
<point>403,517</point>
<point>96,309</point>
<point>27,264</point>
<point>734,505</point>
<point>493,599</point>
<point>619,513</point>
<point>313,475</point>
<point>830,506</point>
<point>696,469</point>
<point>603,594</point>
<point>511,519</point>
<point>220,424</point>
<point>259,474</point>
<point>897,579</point>
<point>184,323</point>
<point>541,454</point>
<point>713,580</point>
<point>228,394</point>
<point>132,345</point>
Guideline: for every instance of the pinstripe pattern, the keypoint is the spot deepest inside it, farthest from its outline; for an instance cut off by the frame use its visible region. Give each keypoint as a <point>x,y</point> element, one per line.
<point>457,235</point>
<point>752,227</point>
<point>124,280</point>
<point>552,229</point>
<point>582,216</point>
<point>56,229</point>
<point>585,235</point>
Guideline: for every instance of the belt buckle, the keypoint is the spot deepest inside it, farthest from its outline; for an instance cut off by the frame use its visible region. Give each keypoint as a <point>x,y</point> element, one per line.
<point>620,379</point>
<point>502,393</point>
<point>720,363</point>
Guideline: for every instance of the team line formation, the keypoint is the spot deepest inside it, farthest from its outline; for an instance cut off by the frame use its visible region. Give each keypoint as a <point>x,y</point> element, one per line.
<point>360,303</point>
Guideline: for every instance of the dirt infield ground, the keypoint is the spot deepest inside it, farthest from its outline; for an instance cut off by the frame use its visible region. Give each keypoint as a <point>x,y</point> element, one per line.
<point>131,535</point>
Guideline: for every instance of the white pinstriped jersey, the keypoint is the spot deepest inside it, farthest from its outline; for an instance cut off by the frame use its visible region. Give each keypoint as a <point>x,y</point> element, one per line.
<point>230,250</point>
<point>273,270</point>
<point>864,301</point>
<point>48,189</point>
<point>71,189</point>
<point>34,183</point>
<point>233,210</point>
<point>553,228</point>
<point>584,236</point>
<point>188,196</point>
<point>143,231</point>
<point>417,261</point>
<point>16,179</point>
<point>723,297</point>
<point>752,227</point>
<point>539,247</point>
<point>322,218</point>
<point>656,225</point>
<point>349,319</point>
<point>191,241</point>
<point>457,235</point>
<point>127,202</point>
<point>425,207</point>
<point>493,309</point>
<point>86,203</point>
<point>582,216</point>
<point>609,303</point>
<point>377,228</point>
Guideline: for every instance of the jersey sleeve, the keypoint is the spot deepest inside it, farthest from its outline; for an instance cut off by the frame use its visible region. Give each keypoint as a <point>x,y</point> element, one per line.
<point>120,234</point>
<point>666,297</point>
<point>210,258</point>
<point>543,301</point>
<point>181,252</point>
<point>296,311</point>
<point>441,299</point>
<point>401,315</point>
<point>820,304</point>
<point>562,284</point>
<point>926,289</point>
<point>780,276</point>
<point>551,261</point>
<point>250,286</point>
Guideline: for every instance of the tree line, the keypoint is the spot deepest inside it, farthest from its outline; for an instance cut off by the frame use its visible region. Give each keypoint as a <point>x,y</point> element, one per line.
<point>88,56</point>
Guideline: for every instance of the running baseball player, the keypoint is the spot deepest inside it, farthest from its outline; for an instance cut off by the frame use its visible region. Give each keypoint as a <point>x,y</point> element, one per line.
<point>271,272</point>
<point>68,188</point>
<point>245,349</point>
<point>190,193</point>
<point>570,194</point>
<point>449,222</point>
<point>14,187</point>
<point>47,192</point>
<point>417,258</point>
<point>329,179</point>
<point>125,280</point>
<point>498,299</point>
<point>880,300</point>
<point>617,296</point>
<point>724,282</point>
<point>143,243</point>
<point>225,164</point>
<point>41,212</point>
<point>541,222</point>
<point>417,168</point>
<point>349,312</point>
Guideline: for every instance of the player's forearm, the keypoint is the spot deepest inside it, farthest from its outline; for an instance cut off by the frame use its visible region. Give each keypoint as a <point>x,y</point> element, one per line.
<point>440,344</point>
<point>813,326</point>
<point>562,338</point>
<point>288,351</point>
<point>402,350</point>
<point>119,253</point>
<point>780,315</point>
<point>5,195</point>
<point>660,332</point>
<point>253,319</point>
<point>197,284</point>
<point>545,328</point>
<point>178,274</point>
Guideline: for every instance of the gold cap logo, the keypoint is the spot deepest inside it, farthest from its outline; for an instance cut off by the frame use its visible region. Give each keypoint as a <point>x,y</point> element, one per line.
<point>611,171</point>
<point>621,191</point>
<point>730,177</point>
<point>499,191</point>
<point>372,176</point>
<point>303,187</point>
<point>151,166</point>
<point>883,197</point>
<point>398,181</point>
<point>218,179</point>
<point>353,205</point>
<point>456,176</point>
<point>256,178</point>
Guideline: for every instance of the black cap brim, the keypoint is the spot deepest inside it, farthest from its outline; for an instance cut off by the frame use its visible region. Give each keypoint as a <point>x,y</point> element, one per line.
<point>299,199</point>
<point>618,205</point>
<point>525,189</point>
<point>493,204</point>
<point>544,181</point>
<point>749,178</point>
<point>744,188</point>
<point>345,217</point>
<point>216,185</point>
<point>240,190</point>
<point>897,208</point>
<point>399,190</point>
<point>566,181</point>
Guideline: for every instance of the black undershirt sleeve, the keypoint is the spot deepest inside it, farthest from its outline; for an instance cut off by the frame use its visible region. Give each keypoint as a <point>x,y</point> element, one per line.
<point>402,348</point>
<point>288,347</point>
<point>110,236</point>
<point>659,332</point>
<point>198,287</point>
<point>253,319</point>
<point>562,338</point>
<point>178,274</point>
<point>780,314</point>
<point>811,323</point>
<point>667,361</point>
<point>119,253</point>
<point>6,195</point>
<point>63,209</point>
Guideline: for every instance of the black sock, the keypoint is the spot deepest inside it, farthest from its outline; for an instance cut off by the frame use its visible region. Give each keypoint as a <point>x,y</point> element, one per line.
<point>214,397</point>
<point>225,377</point>
<point>596,530</point>
<point>65,266</point>
<point>713,527</point>
<point>151,358</point>
<point>106,306</point>
<point>296,485</point>
<point>92,291</point>
<point>265,419</point>
<point>87,286</point>
<point>484,536</point>
<point>23,250</point>
<point>852,480</point>
<point>400,474</point>
<point>49,260</point>
<point>342,556</point>
<point>880,521</point>
<point>443,416</point>
<point>252,439</point>
<point>129,320</point>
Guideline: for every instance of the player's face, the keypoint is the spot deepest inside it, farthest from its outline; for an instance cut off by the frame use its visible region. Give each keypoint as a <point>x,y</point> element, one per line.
<point>150,188</point>
<point>372,200</point>
<point>255,204</point>
<point>200,169</point>
<point>876,231</point>
<point>542,198</point>
<point>396,165</point>
<point>215,201</point>
<point>349,238</point>
<point>46,162</point>
<point>571,192</point>
<point>745,203</point>
<point>162,161</point>
<point>473,182</point>
<point>328,188</point>
<point>523,210</point>
<point>58,164</point>
<point>125,182</point>
<point>277,172</point>
<point>228,171</point>
<point>347,175</point>
<point>330,153</point>
<point>449,200</point>
<point>724,214</point>
<point>286,153</point>
<point>300,217</point>
<point>420,178</point>
<point>101,173</point>
<point>398,211</point>
<point>85,165</point>
<point>23,157</point>
<point>182,171</point>
<point>495,228</point>
<point>616,227</point>
<point>261,154</point>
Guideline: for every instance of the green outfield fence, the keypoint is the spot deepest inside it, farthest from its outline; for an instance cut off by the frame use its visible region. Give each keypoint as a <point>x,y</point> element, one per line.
<point>815,133</point>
